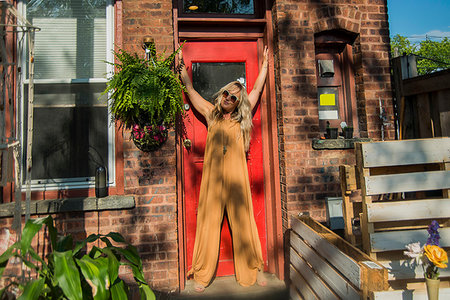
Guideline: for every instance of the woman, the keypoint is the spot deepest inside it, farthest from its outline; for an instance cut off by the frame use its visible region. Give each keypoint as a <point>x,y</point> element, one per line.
<point>225,183</point>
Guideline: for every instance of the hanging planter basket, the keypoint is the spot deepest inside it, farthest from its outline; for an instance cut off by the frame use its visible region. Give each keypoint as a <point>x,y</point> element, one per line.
<point>146,96</point>
<point>149,138</point>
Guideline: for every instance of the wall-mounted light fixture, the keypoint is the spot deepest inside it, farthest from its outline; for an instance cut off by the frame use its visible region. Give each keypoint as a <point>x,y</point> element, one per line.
<point>100,182</point>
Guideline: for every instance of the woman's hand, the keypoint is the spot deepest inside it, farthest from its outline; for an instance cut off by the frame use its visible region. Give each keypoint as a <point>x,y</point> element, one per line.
<point>260,80</point>
<point>265,55</point>
<point>201,105</point>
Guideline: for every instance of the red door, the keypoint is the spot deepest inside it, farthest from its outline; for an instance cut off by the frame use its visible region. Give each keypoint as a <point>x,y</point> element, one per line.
<point>211,65</point>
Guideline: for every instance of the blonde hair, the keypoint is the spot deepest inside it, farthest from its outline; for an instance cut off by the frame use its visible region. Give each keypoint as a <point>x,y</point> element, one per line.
<point>241,114</point>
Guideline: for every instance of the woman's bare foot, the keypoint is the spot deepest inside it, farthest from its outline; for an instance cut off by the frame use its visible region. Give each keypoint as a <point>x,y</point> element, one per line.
<point>261,279</point>
<point>199,288</point>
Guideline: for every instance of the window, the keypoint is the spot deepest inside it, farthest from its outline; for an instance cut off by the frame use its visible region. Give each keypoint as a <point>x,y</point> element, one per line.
<point>335,79</point>
<point>72,131</point>
<point>236,7</point>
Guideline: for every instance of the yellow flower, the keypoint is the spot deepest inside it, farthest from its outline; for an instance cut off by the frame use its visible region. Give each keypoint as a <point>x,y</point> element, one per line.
<point>436,255</point>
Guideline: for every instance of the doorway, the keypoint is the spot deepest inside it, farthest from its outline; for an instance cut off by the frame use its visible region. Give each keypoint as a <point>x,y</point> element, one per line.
<point>211,65</point>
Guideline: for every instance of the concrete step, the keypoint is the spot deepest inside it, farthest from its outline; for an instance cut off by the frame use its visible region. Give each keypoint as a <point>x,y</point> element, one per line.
<point>226,288</point>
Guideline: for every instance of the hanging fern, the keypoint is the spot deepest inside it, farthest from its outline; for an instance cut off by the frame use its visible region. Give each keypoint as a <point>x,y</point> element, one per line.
<point>145,92</point>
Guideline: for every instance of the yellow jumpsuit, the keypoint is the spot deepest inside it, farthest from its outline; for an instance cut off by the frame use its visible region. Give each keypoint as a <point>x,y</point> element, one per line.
<point>225,185</point>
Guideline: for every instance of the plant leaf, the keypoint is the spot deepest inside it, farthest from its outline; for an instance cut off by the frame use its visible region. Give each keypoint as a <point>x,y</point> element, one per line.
<point>117,237</point>
<point>119,291</point>
<point>4,258</point>
<point>138,275</point>
<point>32,289</point>
<point>146,292</point>
<point>131,255</point>
<point>29,231</point>
<point>95,272</point>
<point>80,245</point>
<point>67,275</point>
<point>113,265</point>
<point>65,243</point>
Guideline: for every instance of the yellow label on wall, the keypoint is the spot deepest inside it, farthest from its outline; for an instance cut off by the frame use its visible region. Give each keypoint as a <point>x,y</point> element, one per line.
<point>327,99</point>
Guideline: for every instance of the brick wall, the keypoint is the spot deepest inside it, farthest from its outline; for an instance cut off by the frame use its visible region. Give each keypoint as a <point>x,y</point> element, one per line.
<point>307,175</point>
<point>151,177</point>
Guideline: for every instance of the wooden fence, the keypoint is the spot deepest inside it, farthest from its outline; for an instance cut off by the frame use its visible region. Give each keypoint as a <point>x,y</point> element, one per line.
<point>423,102</point>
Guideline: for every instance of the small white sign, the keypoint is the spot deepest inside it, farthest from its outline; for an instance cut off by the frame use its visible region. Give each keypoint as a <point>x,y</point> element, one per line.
<point>328,115</point>
<point>371,264</point>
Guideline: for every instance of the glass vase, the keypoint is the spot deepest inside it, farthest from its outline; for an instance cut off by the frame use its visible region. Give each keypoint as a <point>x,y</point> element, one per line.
<point>432,288</point>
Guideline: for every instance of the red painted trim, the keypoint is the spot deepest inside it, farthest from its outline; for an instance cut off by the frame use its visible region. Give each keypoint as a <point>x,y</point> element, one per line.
<point>271,161</point>
<point>180,184</point>
<point>118,41</point>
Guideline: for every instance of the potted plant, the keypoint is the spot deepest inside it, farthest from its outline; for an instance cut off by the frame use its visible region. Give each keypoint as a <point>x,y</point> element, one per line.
<point>146,95</point>
<point>347,131</point>
<point>332,132</point>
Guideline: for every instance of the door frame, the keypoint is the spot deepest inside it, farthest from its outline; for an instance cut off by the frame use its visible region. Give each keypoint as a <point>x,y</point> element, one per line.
<point>259,30</point>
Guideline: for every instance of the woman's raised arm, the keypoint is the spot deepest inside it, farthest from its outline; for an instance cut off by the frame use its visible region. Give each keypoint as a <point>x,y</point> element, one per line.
<point>200,104</point>
<point>260,80</point>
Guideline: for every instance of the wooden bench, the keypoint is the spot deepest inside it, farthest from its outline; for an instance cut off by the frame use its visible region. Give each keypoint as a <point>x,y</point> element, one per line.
<point>404,186</point>
<point>325,266</point>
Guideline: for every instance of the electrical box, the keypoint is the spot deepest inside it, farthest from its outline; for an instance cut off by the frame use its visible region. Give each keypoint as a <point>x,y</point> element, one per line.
<point>335,216</point>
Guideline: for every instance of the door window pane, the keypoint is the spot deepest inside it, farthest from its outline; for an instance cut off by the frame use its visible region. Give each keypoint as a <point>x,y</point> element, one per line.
<point>234,7</point>
<point>209,78</point>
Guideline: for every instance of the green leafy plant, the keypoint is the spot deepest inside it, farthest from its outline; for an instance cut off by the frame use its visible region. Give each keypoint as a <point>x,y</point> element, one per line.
<point>68,272</point>
<point>145,91</point>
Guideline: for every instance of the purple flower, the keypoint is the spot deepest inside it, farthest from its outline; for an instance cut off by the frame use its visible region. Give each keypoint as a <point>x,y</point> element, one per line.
<point>433,234</point>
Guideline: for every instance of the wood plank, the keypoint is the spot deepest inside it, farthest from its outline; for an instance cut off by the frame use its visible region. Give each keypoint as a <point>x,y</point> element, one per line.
<point>408,210</point>
<point>337,282</point>
<point>405,152</point>
<point>293,294</point>
<point>433,82</point>
<point>444,293</point>
<point>299,285</point>
<point>409,182</point>
<point>396,240</point>
<point>336,257</point>
<point>403,269</point>
<point>314,281</point>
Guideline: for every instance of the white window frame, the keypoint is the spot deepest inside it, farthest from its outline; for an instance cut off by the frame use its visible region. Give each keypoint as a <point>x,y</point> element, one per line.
<point>68,183</point>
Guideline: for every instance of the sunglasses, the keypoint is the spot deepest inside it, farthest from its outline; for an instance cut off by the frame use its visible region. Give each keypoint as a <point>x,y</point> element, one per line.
<point>233,97</point>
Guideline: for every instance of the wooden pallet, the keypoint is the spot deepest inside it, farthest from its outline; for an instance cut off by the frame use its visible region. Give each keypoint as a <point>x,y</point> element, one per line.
<point>404,186</point>
<point>350,208</point>
<point>325,266</point>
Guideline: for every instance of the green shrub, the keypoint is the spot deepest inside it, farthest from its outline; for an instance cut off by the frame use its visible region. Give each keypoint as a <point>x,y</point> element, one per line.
<point>68,272</point>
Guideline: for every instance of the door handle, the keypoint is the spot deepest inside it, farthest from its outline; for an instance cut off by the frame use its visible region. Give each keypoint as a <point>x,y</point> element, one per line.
<point>187,143</point>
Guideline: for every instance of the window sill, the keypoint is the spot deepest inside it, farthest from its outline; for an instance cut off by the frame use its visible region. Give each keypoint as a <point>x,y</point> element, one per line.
<point>70,205</point>
<point>330,144</point>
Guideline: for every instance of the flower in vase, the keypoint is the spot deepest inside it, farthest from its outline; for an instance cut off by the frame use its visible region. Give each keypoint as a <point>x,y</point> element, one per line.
<point>430,256</point>
<point>436,255</point>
